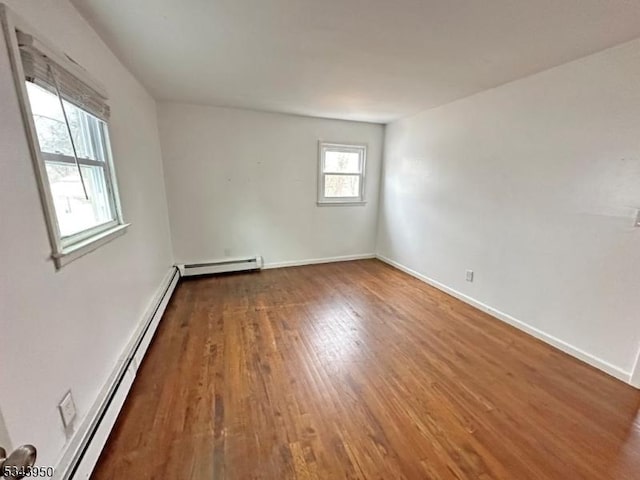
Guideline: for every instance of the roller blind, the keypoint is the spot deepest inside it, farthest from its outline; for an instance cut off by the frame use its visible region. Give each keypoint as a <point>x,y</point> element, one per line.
<point>39,68</point>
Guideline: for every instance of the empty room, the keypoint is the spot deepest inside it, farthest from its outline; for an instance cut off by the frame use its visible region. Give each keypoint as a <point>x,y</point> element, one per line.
<point>340,239</point>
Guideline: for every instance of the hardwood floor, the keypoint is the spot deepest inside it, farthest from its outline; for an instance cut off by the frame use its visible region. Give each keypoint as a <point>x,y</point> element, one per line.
<point>357,370</point>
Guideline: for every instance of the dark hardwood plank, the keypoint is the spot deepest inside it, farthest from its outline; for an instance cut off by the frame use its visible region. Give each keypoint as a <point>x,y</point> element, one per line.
<point>357,370</point>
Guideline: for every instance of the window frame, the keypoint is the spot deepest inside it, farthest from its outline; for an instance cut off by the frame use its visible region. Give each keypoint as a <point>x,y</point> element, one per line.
<point>102,139</point>
<point>64,249</point>
<point>359,148</point>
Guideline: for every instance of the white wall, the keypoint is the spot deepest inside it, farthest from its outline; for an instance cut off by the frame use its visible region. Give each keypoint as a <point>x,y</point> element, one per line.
<point>534,186</point>
<point>241,182</point>
<point>66,329</point>
<point>5,441</point>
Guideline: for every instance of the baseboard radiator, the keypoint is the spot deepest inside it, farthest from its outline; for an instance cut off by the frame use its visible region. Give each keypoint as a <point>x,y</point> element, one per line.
<point>221,266</point>
<point>84,450</point>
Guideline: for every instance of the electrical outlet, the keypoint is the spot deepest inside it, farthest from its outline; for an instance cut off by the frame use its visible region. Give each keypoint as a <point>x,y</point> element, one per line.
<point>67,409</point>
<point>637,222</point>
<point>469,275</point>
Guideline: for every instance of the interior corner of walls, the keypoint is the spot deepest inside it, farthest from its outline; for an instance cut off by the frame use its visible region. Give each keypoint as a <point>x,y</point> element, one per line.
<point>634,378</point>
<point>381,182</point>
<point>467,198</point>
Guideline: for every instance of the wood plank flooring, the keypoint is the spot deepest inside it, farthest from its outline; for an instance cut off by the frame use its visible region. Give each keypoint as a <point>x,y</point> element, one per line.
<point>357,370</point>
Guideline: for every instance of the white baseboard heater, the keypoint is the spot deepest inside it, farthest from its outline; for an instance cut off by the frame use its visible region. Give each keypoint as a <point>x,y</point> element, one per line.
<point>84,449</point>
<point>221,266</point>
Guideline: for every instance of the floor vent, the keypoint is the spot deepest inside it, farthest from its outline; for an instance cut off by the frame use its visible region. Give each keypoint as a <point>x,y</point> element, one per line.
<point>222,266</point>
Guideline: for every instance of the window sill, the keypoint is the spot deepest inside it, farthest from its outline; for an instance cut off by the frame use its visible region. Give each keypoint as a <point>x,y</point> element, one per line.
<point>341,204</point>
<point>72,252</point>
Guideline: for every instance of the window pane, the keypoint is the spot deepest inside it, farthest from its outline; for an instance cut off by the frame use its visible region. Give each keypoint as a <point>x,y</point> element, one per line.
<point>74,212</point>
<point>341,162</point>
<point>342,186</point>
<point>52,130</point>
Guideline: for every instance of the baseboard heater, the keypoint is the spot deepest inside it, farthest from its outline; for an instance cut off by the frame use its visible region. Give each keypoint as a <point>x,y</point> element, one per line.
<point>84,450</point>
<point>221,266</point>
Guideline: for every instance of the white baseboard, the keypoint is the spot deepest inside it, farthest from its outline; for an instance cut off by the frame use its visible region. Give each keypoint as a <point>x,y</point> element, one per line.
<point>539,334</point>
<point>313,261</point>
<point>82,452</point>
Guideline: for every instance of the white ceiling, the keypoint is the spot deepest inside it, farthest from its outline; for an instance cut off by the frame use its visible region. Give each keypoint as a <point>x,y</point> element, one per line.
<point>369,60</point>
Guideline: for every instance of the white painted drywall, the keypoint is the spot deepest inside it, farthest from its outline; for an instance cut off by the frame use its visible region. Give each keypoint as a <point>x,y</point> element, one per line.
<point>66,329</point>
<point>241,182</point>
<point>534,186</point>
<point>5,440</point>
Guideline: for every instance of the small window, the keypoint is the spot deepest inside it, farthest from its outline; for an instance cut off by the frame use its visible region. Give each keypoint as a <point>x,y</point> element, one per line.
<point>66,117</point>
<point>341,173</point>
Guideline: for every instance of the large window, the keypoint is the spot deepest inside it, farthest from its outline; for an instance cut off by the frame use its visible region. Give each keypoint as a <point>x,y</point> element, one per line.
<point>80,184</point>
<point>66,116</point>
<point>341,173</point>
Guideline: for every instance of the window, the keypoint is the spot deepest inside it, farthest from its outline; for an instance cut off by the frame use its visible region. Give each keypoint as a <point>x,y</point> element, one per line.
<point>81,192</point>
<point>66,117</point>
<point>341,174</point>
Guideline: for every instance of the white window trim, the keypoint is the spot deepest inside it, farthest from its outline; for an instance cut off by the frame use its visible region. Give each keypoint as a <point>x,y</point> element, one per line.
<point>64,250</point>
<point>341,201</point>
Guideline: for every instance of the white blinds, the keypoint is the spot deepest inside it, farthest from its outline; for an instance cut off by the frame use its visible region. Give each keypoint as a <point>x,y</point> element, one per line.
<point>39,68</point>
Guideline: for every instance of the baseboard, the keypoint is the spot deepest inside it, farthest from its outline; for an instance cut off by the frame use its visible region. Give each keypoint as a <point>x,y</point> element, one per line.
<point>539,334</point>
<point>313,261</point>
<point>82,452</point>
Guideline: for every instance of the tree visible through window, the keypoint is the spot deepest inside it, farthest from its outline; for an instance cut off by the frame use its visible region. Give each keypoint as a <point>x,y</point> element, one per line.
<point>66,115</point>
<point>341,173</point>
<point>75,210</point>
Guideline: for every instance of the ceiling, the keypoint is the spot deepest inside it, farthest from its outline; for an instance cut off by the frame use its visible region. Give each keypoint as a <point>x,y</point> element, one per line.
<point>367,60</point>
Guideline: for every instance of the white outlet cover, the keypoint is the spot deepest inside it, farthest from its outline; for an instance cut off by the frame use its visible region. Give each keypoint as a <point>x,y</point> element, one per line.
<point>67,409</point>
<point>637,224</point>
<point>469,276</point>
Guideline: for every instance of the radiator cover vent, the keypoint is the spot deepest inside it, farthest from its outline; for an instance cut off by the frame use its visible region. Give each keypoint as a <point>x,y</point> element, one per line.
<point>221,266</point>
